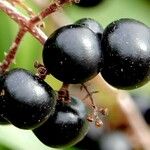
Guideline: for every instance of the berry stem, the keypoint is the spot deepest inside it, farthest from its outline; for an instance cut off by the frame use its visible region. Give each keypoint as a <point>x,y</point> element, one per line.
<point>63,93</point>
<point>89,95</point>
<point>9,58</point>
<point>95,114</point>
<point>53,7</point>
<point>23,21</point>
<point>26,24</point>
<point>23,5</point>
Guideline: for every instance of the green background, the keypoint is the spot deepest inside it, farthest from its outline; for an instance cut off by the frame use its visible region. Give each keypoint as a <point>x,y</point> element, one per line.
<point>30,50</point>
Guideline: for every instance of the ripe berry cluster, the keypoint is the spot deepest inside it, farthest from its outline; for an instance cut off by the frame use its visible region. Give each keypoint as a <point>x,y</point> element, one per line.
<point>28,102</point>
<point>74,54</point>
<point>78,52</point>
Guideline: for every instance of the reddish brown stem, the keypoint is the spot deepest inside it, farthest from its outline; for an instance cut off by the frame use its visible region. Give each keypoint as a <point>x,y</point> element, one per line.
<point>63,93</point>
<point>23,21</point>
<point>95,115</point>
<point>53,7</point>
<point>23,5</point>
<point>89,95</point>
<point>26,25</point>
<point>9,58</point>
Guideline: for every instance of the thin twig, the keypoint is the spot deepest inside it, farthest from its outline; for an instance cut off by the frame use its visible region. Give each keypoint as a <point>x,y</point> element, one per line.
<point>23,21</point>
<point>89,95</point>
<point>53,7</point>
<point>9,58</point>
<point>23,5</point>
<point>27,24</point>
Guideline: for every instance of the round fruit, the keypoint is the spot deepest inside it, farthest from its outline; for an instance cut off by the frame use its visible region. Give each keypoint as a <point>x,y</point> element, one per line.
<point>72,54</point>
<point>91,140</point>
<point>1,82</point>
<point>88,3</point>
<point>2,120</point>
<point>91,24</point>
<point>66,127</point>
<point>126,49</point>
<point>28,100</point>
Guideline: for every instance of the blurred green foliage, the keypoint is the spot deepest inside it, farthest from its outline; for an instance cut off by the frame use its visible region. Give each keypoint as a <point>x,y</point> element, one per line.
<point>30,50</point>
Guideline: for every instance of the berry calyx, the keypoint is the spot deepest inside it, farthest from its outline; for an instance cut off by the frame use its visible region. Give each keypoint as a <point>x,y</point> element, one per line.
<point>72,54</point>
<point>66,127</point>
<point>28,100</point>
<point>126,49</point>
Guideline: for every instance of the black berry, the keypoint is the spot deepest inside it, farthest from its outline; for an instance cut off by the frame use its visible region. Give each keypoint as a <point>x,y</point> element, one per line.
<point>2,120</point>
<point>126,49</point>
<point>66,127</point>
<point>1,82</point>
<point>88,3</point>
<point>91,140</point>
<point>91,24</point>
<point>73,54</point>
<point>28,100</point>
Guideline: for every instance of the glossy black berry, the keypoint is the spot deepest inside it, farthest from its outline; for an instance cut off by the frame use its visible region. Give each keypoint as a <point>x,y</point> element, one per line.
<point>72,54</point>
<point>28,100</point>
<point>66,127</point>
<point>88,3</point>
<point>2,120</point>
<point>91,24</point>
<point>91,140</point>
<point>1,82</point>
<point>115,140</point>
<point>126,49</point>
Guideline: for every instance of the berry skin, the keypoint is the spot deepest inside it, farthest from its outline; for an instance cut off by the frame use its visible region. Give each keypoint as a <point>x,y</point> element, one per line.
<point>91,140</point>
<point>88,3</point>
<point>126,49</point>
<point>28,100</point>
<point>66,127</point>
<point>72,54</point>
<point>2,120</point>
<point>91,24</point>
<point>1,82</point>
